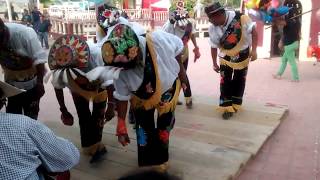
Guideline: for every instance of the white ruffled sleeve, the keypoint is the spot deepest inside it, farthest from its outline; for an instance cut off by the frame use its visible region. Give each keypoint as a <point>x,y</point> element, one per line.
<point>213,38</point>
<point>33,47</point>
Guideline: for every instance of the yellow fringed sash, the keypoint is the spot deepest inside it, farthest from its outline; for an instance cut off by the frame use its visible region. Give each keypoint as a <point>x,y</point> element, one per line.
<point>185,54</point>
<point>170,106</point>
<point>96,96</point>
<point>238,66</point>
<point>19,75</point>
<point>154,100</point>
<point>235,51</point>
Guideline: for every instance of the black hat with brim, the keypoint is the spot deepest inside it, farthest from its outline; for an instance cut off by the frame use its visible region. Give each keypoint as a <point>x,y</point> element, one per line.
<point>213,8</point>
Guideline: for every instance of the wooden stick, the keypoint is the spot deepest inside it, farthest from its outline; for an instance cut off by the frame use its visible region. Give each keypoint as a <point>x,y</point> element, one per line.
<point>298,15</point>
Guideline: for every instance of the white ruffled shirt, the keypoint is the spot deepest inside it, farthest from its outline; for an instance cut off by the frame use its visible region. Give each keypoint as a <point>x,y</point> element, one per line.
<point>167,47</point>
<point>24,41</point>
<point>216,32</point>
<point>172,29</point>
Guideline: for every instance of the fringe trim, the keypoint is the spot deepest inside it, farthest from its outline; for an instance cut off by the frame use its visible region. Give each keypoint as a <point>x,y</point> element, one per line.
<point>91,150</point>
<point>234,51</point>
<point>154,100</point>
<point>19,75</point>
<point>89,95</point>
<point>226,109</point>
<point>188,99</point>
<point>240,65</point>
<point>171,106</point>
<point>185,53</point>
<point>236,107</point>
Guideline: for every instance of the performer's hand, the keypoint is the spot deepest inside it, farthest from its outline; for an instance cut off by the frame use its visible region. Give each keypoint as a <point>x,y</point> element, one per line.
<point>280,45</point>
<point>122,132</point>
<point>254,55</point>
<point>216,67</point>
<point>196,54</point>
<point>66,117</point>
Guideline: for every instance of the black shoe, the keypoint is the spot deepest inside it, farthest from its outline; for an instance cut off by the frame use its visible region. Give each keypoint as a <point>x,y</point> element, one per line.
<point>227,115</point>
<point>179,103</point>
<point>98,155</point>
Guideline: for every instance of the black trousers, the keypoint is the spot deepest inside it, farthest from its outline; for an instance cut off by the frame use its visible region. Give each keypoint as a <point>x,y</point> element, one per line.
<point>153,137</point>
<point>232,85</point>
<point>25,103</point>
<point>91,124</point>
<point>187,93</point>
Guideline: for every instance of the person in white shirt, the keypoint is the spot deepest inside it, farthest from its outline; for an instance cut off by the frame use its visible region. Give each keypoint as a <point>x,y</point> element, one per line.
<point>182,25</point>
<point>70,59</point>
<point>108,16</point>
<point>235,36</point>
<point>147,72</point>
<point>30,150</point>
<point>22,60</point>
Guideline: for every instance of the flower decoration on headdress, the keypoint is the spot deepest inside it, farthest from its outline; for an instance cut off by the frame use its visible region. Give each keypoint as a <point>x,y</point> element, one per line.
<point>107,16</point>
<point>122,48</point>
<point>69,51</point>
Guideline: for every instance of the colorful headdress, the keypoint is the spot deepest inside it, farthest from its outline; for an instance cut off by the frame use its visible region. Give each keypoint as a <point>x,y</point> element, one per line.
<point>107,16</point>
<point>122,48</point>
<point>69,51</point>
<point>181,11</point>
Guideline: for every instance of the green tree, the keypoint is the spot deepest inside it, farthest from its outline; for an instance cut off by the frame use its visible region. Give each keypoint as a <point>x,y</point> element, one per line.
<point>229,3</point>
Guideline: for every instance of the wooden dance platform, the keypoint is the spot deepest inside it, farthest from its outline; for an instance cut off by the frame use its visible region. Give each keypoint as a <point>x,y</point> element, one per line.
<point>202,146</point>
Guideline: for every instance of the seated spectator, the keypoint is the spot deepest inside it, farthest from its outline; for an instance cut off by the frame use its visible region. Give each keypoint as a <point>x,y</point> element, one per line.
<point>29,149</point>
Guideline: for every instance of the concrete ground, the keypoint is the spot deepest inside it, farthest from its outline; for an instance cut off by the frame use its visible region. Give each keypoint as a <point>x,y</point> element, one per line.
<point>293,151</point>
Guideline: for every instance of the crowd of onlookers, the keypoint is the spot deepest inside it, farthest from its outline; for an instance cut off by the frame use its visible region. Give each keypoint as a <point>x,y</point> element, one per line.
<point>40,22</point>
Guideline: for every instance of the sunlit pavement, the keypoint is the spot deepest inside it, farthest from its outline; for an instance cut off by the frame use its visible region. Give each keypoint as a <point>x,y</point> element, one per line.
<point>292,152</point>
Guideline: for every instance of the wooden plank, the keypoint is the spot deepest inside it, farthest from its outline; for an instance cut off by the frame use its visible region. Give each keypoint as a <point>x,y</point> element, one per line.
<point>82,175</point>
<point>206,159</point>
<point>202,145</point>
<point>249,115</point>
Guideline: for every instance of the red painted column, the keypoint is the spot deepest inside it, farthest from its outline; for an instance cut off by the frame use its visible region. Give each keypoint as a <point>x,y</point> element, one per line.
<point>315,24</point>
<point>126,4</point>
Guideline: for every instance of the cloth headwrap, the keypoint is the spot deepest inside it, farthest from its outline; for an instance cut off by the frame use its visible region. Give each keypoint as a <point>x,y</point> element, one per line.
<point>107,16</point>
<point>122,48</point>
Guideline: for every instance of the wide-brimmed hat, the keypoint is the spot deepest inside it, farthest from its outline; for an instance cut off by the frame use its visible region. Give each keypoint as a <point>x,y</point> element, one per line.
<point>69,51</point>
<point>213,8</point>
<point>122,49</point>
<point>6,90</point>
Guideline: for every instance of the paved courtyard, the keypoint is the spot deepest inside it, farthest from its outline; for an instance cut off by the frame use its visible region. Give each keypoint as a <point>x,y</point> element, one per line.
<point>292,152</point>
